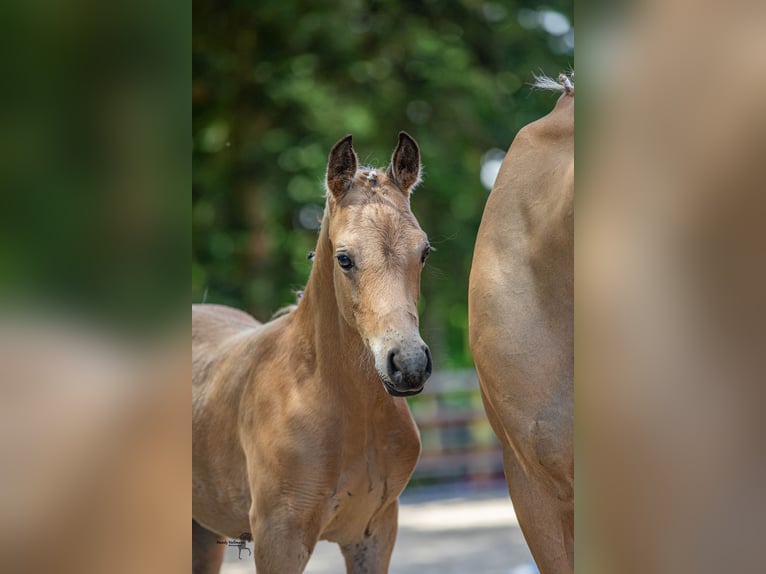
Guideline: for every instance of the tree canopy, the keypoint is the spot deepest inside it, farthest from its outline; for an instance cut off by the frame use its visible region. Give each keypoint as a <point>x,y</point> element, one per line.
<point>276,84</point>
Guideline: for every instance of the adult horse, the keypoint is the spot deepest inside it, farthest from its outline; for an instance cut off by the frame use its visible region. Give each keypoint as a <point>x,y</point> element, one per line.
<point>520,309</point>
<point>300,431</point>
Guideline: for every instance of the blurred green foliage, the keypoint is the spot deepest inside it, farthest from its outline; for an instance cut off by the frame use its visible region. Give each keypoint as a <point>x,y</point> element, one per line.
<point>275,84</point>
<point>94,165</point>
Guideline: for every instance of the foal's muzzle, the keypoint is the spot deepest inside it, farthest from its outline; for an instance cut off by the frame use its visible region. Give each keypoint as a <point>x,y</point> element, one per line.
<point>407,370</point>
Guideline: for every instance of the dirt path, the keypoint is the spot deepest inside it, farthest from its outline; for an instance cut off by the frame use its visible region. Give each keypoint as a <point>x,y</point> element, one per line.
<point>440,532</point>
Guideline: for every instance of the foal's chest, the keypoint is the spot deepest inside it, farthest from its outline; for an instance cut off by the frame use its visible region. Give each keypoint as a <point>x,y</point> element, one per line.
<point>369,482</point>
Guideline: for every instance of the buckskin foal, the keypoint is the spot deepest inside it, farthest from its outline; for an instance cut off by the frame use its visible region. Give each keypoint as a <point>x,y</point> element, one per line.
<point>520,308</point>
<point>299,429</point>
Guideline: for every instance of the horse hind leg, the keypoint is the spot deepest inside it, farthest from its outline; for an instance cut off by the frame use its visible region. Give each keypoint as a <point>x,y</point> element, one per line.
<point>207,553</point>
<point>546,520</point>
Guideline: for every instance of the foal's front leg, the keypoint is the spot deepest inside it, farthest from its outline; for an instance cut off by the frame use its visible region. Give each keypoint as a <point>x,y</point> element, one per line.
<point>371,554</point>
<point>283,542</point>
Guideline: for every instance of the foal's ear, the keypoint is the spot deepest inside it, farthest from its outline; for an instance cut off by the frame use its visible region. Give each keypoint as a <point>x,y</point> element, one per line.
<point>341,167</point>
<point>405,163</point>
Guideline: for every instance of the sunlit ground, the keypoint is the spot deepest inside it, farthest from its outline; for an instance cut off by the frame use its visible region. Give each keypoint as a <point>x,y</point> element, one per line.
<point>440,532</point>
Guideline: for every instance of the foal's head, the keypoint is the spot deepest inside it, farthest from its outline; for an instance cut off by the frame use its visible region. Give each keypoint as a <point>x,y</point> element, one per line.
<point>379,251</point>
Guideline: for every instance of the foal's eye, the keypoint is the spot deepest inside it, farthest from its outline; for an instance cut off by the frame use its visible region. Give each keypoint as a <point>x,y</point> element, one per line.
<point>425,254</point>
<point>345,262</point>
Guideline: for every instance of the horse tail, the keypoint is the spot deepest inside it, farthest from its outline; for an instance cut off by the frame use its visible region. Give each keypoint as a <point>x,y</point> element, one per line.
<point>564,83</point>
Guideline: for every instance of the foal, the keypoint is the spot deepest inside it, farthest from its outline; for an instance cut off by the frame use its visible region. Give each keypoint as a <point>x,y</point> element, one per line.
<point>298,431</point>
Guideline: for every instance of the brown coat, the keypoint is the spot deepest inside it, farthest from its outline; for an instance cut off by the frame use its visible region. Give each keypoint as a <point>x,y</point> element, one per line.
<point>521,329</point>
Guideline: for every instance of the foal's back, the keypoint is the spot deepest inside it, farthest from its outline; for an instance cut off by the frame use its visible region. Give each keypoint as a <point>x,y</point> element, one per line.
<point>211,324</point>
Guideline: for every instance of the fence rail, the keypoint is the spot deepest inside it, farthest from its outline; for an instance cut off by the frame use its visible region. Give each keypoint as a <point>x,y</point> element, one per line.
<point>458,443</point>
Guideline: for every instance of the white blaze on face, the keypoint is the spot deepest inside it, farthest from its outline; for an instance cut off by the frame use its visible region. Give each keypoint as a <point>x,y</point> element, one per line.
<point>379,347</point>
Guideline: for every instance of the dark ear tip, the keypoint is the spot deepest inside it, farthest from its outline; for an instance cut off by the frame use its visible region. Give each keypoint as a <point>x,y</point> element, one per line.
<point>343,142</point>
<point>405,137</point>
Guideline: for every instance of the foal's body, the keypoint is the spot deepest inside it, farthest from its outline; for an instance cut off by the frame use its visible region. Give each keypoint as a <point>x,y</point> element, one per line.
<point>521,329</point>
<point>323,466</point>
<point>295,438</point>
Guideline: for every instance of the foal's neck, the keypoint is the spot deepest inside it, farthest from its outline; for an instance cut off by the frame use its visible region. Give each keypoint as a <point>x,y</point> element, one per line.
<point>340,352</point>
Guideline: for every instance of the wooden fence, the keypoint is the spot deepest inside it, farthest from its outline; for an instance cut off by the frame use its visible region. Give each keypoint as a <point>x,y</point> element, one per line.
<point>458,443</point>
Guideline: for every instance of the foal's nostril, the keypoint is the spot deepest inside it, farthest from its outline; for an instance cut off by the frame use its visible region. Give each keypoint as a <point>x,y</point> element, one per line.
<point>393,369</point>
<point>410,368</point>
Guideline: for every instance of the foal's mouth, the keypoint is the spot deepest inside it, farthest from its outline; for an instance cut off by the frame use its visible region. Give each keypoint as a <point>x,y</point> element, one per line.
<point>394,392</point>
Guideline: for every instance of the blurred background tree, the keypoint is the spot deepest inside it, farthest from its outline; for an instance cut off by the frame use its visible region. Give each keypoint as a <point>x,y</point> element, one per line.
<point>276,83</point>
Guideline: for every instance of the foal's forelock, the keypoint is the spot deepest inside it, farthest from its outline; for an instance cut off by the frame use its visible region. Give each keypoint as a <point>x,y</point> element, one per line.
<point>370,185</point>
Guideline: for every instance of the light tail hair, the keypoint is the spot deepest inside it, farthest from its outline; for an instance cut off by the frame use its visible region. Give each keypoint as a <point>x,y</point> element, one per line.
<point>564,83</point>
